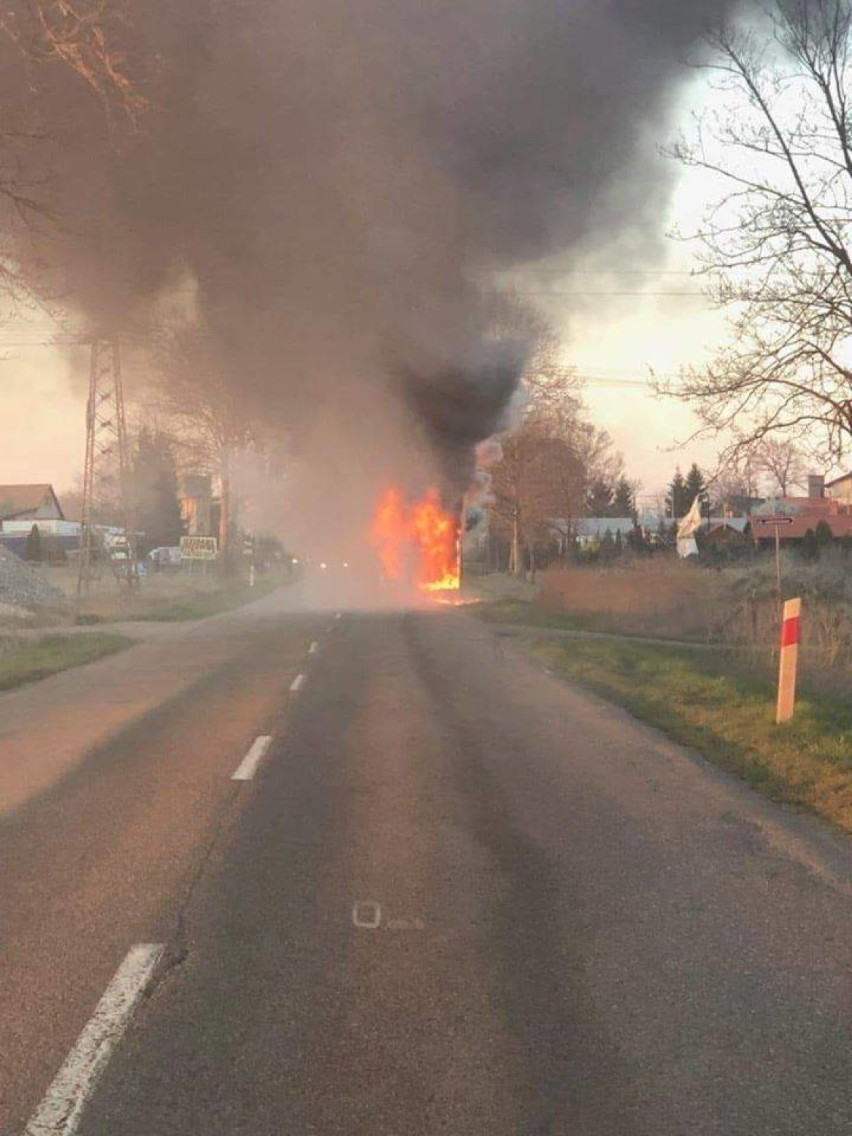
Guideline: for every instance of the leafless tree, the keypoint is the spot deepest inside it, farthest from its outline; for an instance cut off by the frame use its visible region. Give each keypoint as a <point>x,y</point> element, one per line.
<point>777,247</point>
<point>783,462</point>
<point>551,453</point>
<point>203,412</point>
<point>48,50</point>
<point>91,37</point>
<point>736,480</point>
<point>538,478</point>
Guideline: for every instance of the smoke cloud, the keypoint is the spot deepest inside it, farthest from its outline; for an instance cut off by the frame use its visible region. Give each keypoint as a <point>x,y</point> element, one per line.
<point>331,180</point>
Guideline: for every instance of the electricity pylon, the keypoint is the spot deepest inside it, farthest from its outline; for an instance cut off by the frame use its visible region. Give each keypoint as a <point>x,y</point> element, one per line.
<point>106,477</point>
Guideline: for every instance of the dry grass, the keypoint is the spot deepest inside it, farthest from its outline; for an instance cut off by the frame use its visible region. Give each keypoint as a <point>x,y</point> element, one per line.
<point>107,597</point>
<point>736,606</point>
<point>160,596</point>
<point>658,597</point>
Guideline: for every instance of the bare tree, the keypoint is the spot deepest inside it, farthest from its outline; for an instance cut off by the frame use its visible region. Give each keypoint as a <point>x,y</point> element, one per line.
<point>552,455</point>
<point>51,47</point>
<point>735,482</point>
<point>538,479</point>
<point>204,413</point>
<point>91,37</point>
<point>603,465</point>
<point>782,460</point>
<point>777,247</point>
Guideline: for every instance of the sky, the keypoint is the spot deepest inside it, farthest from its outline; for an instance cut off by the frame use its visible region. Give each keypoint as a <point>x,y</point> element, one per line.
<point>613,341</point>
<point>621,314</point>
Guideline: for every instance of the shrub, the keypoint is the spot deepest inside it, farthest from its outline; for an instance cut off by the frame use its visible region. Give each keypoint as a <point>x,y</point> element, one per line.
<point>32,549</point>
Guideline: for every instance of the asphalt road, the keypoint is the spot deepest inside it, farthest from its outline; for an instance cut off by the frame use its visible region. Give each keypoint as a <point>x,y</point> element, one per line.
<point>456,897</point>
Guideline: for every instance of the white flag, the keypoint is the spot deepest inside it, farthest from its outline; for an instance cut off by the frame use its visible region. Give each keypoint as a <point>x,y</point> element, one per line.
<point>691,522</point>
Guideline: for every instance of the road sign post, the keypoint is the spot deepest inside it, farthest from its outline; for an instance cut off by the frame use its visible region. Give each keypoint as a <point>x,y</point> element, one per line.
<point>776,523</point>
<point>790,635</point>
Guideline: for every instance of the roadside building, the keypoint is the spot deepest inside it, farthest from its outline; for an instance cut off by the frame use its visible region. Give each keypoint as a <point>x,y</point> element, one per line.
<point>796,515</point>
<point>589,532</point>
<point>726,531</point>
<point>22,507</point>
<point>840,490</point>
<point>792,529</point>
<point>29,503</point>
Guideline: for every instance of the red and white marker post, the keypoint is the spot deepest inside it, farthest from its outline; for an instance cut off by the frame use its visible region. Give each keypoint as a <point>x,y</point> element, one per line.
<point>790,634</point>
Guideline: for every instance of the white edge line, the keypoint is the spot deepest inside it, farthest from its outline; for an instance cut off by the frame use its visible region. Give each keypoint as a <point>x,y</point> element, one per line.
<point>62,1107</point>
<point>248,766</point>
<point>297,683</point>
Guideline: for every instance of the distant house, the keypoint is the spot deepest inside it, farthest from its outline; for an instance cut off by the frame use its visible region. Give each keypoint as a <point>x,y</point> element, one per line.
<point>802,513</point>
<point>732,524</point>
<point>840,489</point>
<point>29,503</point>
<point>590,531</point>
<point>793,528</point>
<point>799,506</point>
<point>720,531</point>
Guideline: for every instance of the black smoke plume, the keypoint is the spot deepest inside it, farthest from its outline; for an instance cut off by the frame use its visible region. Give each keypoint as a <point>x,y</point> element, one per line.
<point>335,177</point>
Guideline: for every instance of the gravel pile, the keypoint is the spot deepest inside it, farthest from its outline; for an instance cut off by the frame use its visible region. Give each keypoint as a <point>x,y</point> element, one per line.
<point>23,586</point>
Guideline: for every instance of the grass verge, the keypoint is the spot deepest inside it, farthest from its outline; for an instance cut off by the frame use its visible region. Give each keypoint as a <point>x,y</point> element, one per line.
<point>525,613</point>
<point>708,702</point>
<point>204,604</point>
<point>52,653</point>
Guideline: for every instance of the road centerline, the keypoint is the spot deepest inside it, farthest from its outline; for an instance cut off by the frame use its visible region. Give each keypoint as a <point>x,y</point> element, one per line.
<point>248,766</point>
<point>62,1106</point>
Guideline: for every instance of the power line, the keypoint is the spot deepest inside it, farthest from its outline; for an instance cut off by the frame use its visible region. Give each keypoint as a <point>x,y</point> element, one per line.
<point>602,292</point>
<point>593,377</point>
<point>639,384</point>
<point>610,272</point>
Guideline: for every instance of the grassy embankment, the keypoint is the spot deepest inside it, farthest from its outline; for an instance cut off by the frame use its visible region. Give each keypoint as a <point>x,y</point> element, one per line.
<point>201,605</point>
<point>523,613</point>
<point>712,702</point>
<point>174,599</point>
<point>38,658</point>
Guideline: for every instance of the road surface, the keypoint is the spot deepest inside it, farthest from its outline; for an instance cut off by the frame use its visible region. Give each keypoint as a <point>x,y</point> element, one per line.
<point>453,895</point>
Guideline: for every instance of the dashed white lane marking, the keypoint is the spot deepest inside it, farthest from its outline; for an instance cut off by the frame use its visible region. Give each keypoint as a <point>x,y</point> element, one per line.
<point>314,648</point>
<point>248,766</point>
<point>297,683</point>
<point>60,1111</point>
<point>337,615</point>
<point>367,914</point>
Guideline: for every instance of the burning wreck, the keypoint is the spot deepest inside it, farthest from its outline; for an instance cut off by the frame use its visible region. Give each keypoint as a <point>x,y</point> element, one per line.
<point>417,542</point>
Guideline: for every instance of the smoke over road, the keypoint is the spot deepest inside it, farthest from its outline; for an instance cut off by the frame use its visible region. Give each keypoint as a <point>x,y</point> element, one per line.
<point>329,180</point>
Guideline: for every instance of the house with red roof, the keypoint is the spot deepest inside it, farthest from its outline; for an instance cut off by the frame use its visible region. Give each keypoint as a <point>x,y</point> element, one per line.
<point>29,503</point>
<point>793,516</point>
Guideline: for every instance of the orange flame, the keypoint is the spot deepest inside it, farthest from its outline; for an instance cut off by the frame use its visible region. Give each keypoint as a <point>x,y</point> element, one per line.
<point>417,540</point>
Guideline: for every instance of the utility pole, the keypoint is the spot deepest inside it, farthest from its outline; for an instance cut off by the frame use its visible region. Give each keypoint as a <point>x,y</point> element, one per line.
<point>106,476</point>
